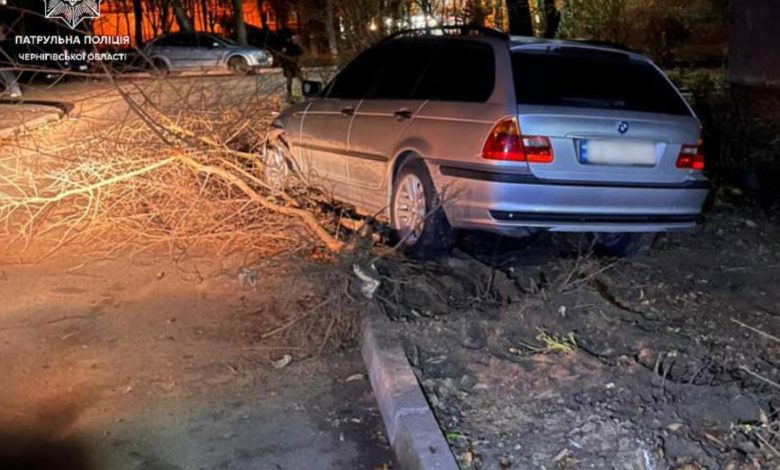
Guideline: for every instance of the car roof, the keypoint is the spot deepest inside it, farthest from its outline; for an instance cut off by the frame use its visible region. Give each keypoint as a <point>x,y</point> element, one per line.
<point>524,42</point>
<point>514,42</point>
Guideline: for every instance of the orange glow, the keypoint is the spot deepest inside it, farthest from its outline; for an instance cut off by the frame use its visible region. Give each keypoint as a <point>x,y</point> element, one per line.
<point>114,21</point>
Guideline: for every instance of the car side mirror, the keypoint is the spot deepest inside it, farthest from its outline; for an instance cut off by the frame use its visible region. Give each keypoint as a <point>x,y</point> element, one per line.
<point>311,89</point>
<point>215,45</point>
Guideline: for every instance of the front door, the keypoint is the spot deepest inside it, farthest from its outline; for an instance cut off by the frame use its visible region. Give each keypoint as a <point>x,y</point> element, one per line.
<point>328,123</point>
<point>324,143</point>
<point>383,118</point>
<point>210,52</point>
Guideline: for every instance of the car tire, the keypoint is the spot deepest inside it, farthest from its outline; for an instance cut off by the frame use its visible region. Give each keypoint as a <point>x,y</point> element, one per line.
<point>238,66</point>
<point>160,68</point>
<point>621,245</point>
<point>429,234</point>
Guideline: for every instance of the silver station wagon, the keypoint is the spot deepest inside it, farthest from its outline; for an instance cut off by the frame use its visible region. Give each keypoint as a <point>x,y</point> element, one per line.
<point>477,130</point>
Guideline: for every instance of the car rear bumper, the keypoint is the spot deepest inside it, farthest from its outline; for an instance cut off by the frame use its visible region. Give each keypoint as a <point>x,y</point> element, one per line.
<point>513,203</point>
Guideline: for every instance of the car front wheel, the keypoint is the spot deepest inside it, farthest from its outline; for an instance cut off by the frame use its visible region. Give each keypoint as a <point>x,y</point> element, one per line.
<point>160,68</point>
<point>238,66</point>
<point>420,227</point>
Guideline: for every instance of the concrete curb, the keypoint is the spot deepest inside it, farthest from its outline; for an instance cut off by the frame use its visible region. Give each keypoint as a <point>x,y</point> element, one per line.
<point>412,429</point>
<point>29,125</point>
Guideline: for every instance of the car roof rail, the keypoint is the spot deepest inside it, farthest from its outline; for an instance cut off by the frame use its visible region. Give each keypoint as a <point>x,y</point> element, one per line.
<point>448,30</point>
<point>606,44</point>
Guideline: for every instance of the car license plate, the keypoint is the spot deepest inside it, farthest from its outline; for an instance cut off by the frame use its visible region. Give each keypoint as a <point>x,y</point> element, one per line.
<point>617,152</point>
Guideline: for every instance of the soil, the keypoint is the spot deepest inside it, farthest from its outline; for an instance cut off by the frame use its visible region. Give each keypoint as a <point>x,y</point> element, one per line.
<point>536,354</point>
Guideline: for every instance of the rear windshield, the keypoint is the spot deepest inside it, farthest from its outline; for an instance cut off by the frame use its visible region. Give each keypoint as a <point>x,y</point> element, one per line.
<point>583,78</point>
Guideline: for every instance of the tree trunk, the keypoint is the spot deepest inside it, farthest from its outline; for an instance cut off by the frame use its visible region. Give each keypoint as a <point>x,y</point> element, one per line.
<point>181,17</point>
<point>238,16</point>
<point>281,10</point>
<point>552,19</point>
<point>263,17</point>
<point>205,17</point>
<point>330,29</point>
<point>519,18</point>
<point>138,17</point>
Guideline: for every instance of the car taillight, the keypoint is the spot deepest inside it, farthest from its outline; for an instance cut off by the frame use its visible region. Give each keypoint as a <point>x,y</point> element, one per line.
<point>506,143</point>
<point>691,157</point>
<point>538,149</point>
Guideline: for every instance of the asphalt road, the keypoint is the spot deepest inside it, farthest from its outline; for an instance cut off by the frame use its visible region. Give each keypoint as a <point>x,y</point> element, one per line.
<point>132,363</point>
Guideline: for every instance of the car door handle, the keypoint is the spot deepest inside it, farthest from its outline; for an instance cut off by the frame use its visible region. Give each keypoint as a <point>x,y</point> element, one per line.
<point>402,115</point>
<point>348,111</point>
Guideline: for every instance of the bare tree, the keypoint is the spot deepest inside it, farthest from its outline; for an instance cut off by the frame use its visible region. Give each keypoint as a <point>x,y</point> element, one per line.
<point>238,16</point>
<point>519,18</point>
<point>181,16</point>
<point>138,17</point>
<point>552,18</point>
<point>281,11</point>
<point>330,29</point>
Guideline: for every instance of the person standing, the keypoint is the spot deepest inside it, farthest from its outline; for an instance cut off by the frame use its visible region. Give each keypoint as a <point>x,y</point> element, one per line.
<point>288,53</point>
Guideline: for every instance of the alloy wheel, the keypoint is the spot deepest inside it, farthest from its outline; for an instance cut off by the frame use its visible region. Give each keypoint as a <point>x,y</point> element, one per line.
<point>410,208</point>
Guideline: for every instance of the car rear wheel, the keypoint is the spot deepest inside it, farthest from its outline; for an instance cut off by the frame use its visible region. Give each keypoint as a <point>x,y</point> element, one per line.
<point>621,244</point>
<point>420,227</point>
<point>238,66</point>
<point>160,68</point>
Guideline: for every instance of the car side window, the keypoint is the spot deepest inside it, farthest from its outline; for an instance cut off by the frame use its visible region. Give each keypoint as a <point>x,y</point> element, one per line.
<point>189,40</point>
<point>201,41</point>
<point>403,66</point>
<point>207,41</point>
<point>176,40</point>
<point>463,71</point>
<point>357,78</point>
<point>164,41</point>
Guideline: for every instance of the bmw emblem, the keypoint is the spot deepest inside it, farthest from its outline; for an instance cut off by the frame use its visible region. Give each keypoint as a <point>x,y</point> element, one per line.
<point>623,127</point>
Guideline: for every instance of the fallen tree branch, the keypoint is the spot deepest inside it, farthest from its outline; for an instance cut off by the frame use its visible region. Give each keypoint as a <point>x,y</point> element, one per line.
<point>756,330</point>
<point>760,377</point>
<point>307,218</point>
<point>92,187</point>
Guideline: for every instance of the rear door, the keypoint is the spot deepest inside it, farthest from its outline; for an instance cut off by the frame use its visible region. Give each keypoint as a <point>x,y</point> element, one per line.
<point>610,116</point>
<point>167,46</point>
<point>326,125</point>
<point>386,113</point>
<point>182,51</point>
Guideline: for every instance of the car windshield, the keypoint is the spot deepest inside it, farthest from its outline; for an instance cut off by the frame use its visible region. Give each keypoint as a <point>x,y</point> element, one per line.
<point>588,78</point>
